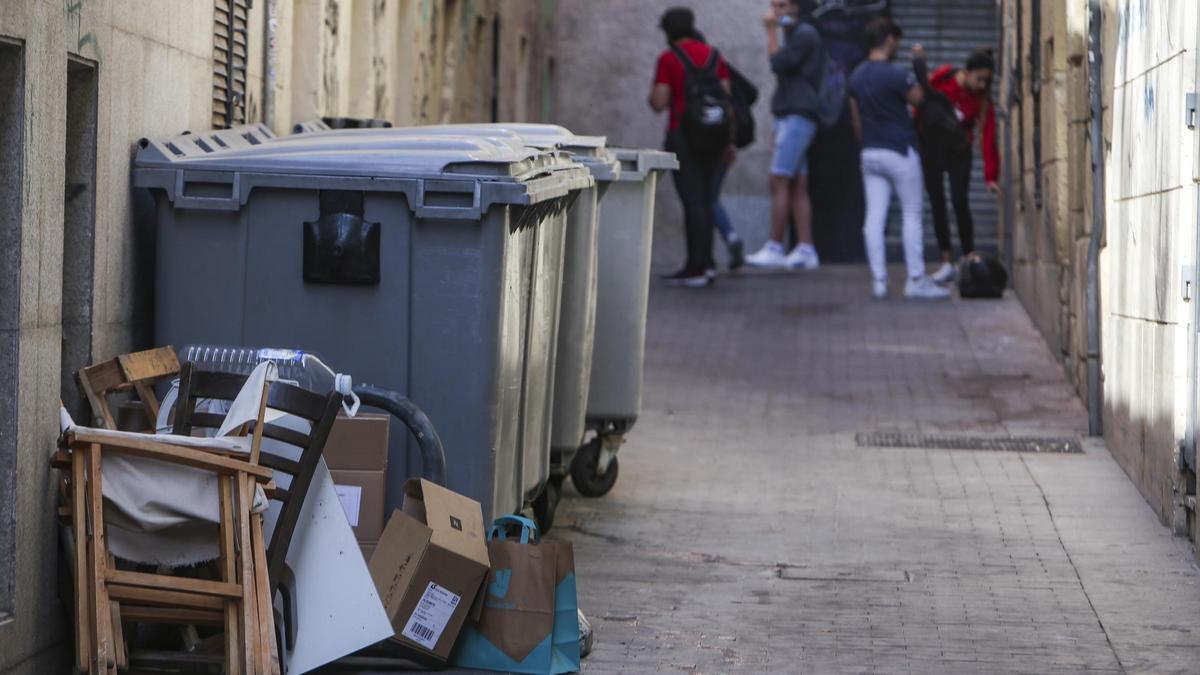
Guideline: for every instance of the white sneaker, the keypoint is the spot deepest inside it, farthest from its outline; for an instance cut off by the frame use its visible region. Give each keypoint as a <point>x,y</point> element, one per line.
<point>945,274</point>
<point>770,256</point>
<point>803,257</point>
<point>879,289</point>
<point>924,288</point>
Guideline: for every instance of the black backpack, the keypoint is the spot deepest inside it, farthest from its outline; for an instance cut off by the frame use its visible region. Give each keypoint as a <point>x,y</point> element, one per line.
<point>745,95</point>
<point>707,109</point>
<point>937,118</point>
<point>981,276</point>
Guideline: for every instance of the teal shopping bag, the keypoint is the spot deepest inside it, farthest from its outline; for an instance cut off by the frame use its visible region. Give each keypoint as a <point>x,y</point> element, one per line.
<point>529,623</point>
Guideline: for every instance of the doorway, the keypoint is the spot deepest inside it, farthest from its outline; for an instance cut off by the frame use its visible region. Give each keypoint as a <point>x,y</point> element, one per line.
<point>79,230</point>
<point>12,127</point>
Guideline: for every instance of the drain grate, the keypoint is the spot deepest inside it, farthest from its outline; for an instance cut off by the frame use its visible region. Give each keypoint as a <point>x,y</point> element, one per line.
<point>985,443</point>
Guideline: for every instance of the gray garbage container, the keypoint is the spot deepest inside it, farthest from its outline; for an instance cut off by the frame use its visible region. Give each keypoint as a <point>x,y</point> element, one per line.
<point>415,263</point>
<point>577,309</point>
<point>577,314</point>
<point>567,393</point>
<point>539,396</point>
<point>623,288</point>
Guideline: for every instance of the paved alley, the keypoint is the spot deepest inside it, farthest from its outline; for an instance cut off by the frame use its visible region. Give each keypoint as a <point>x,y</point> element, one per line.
<point>749,532</point>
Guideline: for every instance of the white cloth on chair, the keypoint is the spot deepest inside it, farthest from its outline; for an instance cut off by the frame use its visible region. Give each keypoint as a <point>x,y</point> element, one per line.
<point>167,514</point>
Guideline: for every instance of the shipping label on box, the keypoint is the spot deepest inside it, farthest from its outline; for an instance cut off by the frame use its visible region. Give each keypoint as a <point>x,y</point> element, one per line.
<point>351,498</point>
<point>429,567</point>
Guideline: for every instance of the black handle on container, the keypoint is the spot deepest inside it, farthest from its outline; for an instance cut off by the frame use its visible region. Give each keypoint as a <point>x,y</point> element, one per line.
<point>433,457</point>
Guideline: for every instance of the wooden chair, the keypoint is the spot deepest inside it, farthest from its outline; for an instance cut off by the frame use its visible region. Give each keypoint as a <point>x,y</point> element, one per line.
<point>138,372</point>
<point>236,601</point>
<point>319,412</point>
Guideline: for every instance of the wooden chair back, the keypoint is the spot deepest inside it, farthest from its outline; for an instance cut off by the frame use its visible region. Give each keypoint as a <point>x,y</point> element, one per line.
<point>147,368</point>
<point>107,596</point>
<point>137,372</point>
<point>319,411</point>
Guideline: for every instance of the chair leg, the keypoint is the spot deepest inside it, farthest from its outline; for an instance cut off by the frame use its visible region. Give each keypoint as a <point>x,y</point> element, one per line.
<point>229,575</point>
<point>287,596</point>
<point>83,589</point>
<point>121,654</point>
<point>105,661</point>
<point>120,650</point>
<point>262,585</point>
<point>249,603</point>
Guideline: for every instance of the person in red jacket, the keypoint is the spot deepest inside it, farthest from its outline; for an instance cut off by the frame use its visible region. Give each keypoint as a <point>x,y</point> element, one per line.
<point>949,122</point>
<point>695,179</point>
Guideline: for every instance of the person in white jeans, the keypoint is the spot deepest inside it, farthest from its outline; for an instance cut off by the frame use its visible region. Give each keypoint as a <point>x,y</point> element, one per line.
<point>880,96</point>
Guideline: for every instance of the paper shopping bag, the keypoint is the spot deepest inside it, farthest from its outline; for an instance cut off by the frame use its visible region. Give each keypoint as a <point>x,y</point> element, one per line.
<point>529,622</point>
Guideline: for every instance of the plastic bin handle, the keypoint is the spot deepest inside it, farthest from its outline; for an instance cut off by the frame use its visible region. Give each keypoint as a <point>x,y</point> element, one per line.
<point>448,199</point>
<point>231,203</point>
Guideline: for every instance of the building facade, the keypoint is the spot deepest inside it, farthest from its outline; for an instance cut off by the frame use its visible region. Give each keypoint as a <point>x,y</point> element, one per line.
<point>80,82</point>
<point>1149,246</point>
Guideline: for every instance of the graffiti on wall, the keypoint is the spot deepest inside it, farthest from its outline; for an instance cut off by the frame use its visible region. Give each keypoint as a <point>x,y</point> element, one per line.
<point>85,41</point>
<point>329,56</point>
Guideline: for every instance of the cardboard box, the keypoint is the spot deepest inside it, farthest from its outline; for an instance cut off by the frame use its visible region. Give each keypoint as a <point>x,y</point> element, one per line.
<point>358,443</point>
<point>429,567</point>
<point>367,548</point>
<point>361,494</point>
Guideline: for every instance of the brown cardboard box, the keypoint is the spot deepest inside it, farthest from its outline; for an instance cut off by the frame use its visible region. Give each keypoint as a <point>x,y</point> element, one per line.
<point>358,443</point>
<point>429,567</point>
<point>361,493</point>
<point>367,548</point>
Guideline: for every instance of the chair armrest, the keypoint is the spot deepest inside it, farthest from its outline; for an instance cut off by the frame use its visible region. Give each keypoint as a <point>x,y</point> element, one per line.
<point>78,439</point>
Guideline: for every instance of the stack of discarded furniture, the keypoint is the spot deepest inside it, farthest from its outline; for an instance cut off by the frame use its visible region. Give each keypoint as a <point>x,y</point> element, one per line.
<point>250,572</point>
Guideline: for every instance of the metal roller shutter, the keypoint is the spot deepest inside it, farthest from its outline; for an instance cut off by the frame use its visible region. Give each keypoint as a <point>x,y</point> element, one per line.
<point>950,30</point>
<point>229,63</point>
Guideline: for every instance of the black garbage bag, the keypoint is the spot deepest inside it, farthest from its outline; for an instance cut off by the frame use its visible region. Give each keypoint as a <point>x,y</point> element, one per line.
<point>981,276</point>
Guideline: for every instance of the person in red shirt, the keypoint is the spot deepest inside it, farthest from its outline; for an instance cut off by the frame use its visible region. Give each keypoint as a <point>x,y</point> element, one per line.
<point>695,179</point>
<point>946,145</point>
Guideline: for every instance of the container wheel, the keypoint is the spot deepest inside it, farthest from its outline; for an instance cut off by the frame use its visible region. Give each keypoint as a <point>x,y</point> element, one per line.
<point>585,470</point>
<point>545,506</point>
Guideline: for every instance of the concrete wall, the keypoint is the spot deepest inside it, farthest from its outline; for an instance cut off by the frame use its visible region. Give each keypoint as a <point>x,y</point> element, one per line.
<point>1048,164</point>
<point>1152,221</point>
<point>1151,217</point>
<point>409,61</point>
<point>149,59</point>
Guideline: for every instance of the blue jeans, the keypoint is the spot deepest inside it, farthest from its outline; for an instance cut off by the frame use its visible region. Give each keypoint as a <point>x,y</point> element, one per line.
<point>720,215</point>
<point>793,135</point>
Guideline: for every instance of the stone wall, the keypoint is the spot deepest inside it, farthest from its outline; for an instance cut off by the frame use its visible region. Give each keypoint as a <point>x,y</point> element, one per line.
<point>77,244</point>
<point>419,62</point>
<point>1151,219</point>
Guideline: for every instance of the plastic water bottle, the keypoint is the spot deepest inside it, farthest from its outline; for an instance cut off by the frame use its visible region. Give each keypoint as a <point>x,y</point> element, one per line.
<point>295,365</point>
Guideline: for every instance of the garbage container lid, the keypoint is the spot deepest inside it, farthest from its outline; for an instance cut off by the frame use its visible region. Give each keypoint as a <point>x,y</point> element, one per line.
<point>637,163</point>
<point>557,141</point>
<point>588,150</point>
<point>399,157</point>
<point>383,138</point>
<point>243,136</point>
<point>192,171</point>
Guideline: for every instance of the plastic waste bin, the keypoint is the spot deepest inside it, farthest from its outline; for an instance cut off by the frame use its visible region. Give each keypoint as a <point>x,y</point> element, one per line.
<point>623,289</point>
<point>540,386</point>
<point>577,310</point>
<point>577,307</point>
<point>416,263</point>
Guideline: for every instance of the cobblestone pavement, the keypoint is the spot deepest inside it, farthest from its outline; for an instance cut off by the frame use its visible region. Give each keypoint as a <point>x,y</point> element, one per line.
<point>749,533</point>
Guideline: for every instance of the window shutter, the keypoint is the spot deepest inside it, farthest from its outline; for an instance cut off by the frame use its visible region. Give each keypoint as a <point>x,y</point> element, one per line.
<point>229,63</point>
